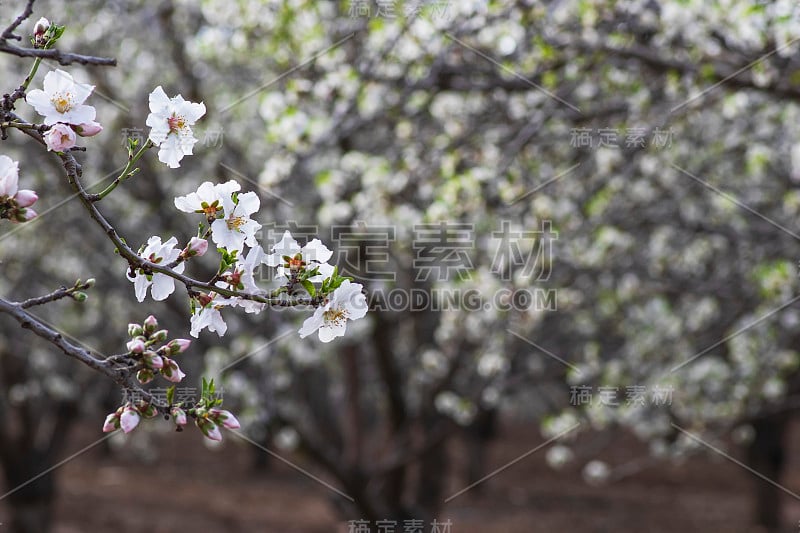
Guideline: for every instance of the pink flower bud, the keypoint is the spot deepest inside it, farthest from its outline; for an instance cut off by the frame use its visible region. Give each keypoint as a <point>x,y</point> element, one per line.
<point>177,346</point>
<point>89,129</point>
<point>135,330</point>
<point>129,419</point>
<point>171,371</point>
<point>112,423</point>
<point>26,214</point>
<point>196,247</point>
<point>60,138</point>
<point>153,360</point>
<point>25,198</point>
<point>136,345</point>
<point>179,415</point>
<point>150,324</point>
<point>226,418</point>
<point>209,429</point>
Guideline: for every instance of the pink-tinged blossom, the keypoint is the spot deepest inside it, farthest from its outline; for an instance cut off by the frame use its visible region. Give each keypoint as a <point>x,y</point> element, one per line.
<point>346,303</point>
<point>60,138</point>
<point>129,419</point>
<point>170,120</point>
<point>62,100</point>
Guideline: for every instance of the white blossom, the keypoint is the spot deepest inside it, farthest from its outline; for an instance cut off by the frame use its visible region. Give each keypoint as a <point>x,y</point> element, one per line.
<point>170,120</point>
<point>346,303</point>
<point>62,100</point>
<point>161,285</point>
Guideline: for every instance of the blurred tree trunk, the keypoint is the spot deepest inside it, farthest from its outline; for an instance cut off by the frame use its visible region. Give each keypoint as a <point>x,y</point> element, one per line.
<point>478,436</point>
<point>766,455</point>
<point>31,433</point>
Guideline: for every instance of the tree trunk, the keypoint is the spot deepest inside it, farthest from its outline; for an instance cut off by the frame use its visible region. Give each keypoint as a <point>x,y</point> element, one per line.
<point>767,457</point>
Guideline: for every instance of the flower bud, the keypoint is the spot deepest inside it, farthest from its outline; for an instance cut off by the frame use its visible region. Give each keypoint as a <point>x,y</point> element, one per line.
<point>160,335</point>
<point>209,428</point>
<point>147,410</point>
<point>25,198</point>
<point>177,346</point>
<point>196,247</point>
<point>150,324</point>
<point>145,376</point>
<point>90,282</point>
<point>179,415</point>
<point>42,25</point>
<point>129,419</point>
<point>136,345</point>
<point>135,330</point>
<point>112,423</point>
<point>171,371</point>
<point>226,418</point>
<point>88,129</point>
<point>79,296</point>
<point>153,360</point>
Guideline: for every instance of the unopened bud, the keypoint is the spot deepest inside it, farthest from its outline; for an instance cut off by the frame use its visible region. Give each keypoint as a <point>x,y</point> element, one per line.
<point>145,376</point>
<point>150,324</point>
<point>88,129</point>
<point>79,296</point>
<point>135,330</point>
<point>42,25</point>
<point>25,198</point>
<point>160,335</point>
<point>136,345</point>
<point>196,247</point>
<point>153,360</point>
<point>177,346</point>
<point>179,415</point>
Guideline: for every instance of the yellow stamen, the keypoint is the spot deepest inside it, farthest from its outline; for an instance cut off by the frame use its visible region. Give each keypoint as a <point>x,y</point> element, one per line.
<point>234,223</point>
<point>62,102</point>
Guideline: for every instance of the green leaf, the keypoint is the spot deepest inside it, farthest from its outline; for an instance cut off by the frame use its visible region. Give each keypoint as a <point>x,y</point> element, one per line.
<point>308,286</point>
<point>170,394</point>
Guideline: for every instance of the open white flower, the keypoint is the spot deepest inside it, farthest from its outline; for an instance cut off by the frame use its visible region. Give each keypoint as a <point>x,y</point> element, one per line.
<point>207,199</point>
<point>242,278</point>
<point>208,315</point>
<point>312,255</point>
<point>62,99</point>
<point>170,120</point>
<point>161,284</point>
<point>236,228</point>
<point>346,303</point>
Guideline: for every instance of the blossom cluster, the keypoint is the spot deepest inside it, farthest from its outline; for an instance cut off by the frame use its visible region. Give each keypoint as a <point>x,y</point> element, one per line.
<point>304,273</point>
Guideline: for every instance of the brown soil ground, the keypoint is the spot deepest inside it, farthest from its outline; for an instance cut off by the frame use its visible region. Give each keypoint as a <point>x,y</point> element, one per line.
<point>194,489</point>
